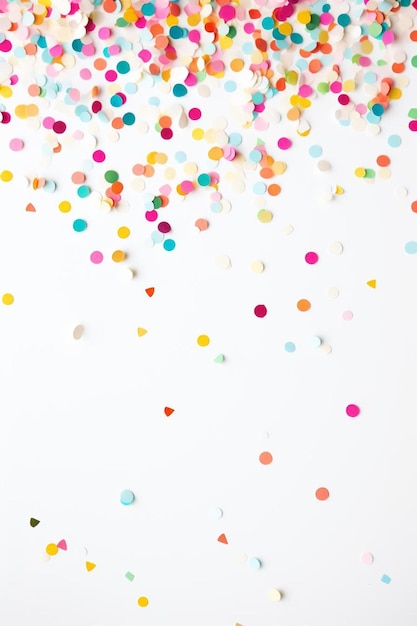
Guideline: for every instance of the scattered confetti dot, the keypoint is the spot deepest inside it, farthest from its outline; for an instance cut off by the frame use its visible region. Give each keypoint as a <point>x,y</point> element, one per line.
<point>223,262</point>
<point>168,411</point>
<point>79,225</point>
<point>311,258</point>
<point>203,340</point>
<point>352,410</point>
<point>127,497</point>
<point>143,601</point>
<point>254,563</point>
<point>260,310</point>
<point>62,545</point>
<point>265,458</point>
<point>336,248</point>
<point>385,579</point>
<point>371,283</point>
<point>322,493</point>
<point>303,305</point>
<point>201,224</point>
<point>347,316</point>
<point>216,513</point>
<point>89,566</point>
<point>141,331</point>
<point>264,216</point>
<point>411,247</point>
<point>130,576</point>
<point>315,341</point>
<point>367,558</point>
<point>78,332</point>
<point>7,299</point>
<point>290,347</point>
<point>123,232</point>
<point>96,257</point>
<point>274,595</point>
<point>51,549</point>
<point>150,291</point>
<point>219,358</point>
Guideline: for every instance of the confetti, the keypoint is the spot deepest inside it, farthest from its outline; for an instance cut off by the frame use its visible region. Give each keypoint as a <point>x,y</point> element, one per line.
<point>34,522</point>
<point>203,340</point>
<point>127,497</point>
<point>367,558</point>
<point>222,538</point>
<point>352,410</point>
<point>322,493</point>
<point>89,566</point>
<point>168,411</point>
<point>265,458</point>
<point>141,331</point>
<point>143,601</point>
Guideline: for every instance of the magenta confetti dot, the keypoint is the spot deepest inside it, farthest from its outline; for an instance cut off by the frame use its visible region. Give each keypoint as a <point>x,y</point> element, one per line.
<point>99,156</point>
<point>194,114</point>
<point>352,410</point>
<point>284,143</point>
<point>59,127</point>
<point>413,126</point>
<point>145,55</point>
<point>164,227</point>
<point>343,99</point>
<point>166,133</point>
<point>311,258</point>
<point>96,257</point>
<point>151,216</point>
<point>96,106</point>
<point>260,310</point>
<point>5,117</point>
<point>111,76</point>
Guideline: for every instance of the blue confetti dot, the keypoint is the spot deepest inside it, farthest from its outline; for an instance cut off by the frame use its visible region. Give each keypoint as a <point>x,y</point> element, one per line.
<point>127,497</point>
<point>179,90</point>
<point>169,245</point>
<point>411,247</point>
<point>79,225</point>
<point>394,141</point>
<point>289,346</point>
<point>315,151</point>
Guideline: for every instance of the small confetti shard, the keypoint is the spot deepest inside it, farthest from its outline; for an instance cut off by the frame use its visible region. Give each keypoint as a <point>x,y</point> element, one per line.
<point>385,579</point>
<point>142,332</point>
<point>78,332</point>
<point>130,576</point>
<point>143,601</point>
<point>127,497</point>
<point>372,283</point>
<point>30,208</point>
<point>222,539</point>
<point>62,545</point>
<point>89,566</point>
<point>34,522</point>
<point>322,493</point>
<point>150,291</point>
<point>168,411</point>
<point>219,358</point>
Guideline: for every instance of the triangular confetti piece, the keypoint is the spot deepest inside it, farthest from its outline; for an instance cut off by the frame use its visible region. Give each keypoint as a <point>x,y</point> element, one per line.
<point>30,207</point>
<point>89,566</point>
<point>168,411</point>
<point>150,291</point>
<point>339,190</point>
<point>34,522</point>
<point>219,358</point>
<point>222,538</point>
<point>142,332</point>
<point>372,283</point>
<point>62,545</point>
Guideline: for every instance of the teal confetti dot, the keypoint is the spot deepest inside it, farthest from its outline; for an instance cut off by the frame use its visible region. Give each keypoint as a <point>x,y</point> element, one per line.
<point>83,191</point>
<point>411,247</point>
<point>129,119</point>
<point>385,579</point>
<point>394,141</point>
<point>315,151</point>
<point>79,225</point>
<point>127,497</point>
<point>123,67</point>
<point>179,90</point>
<point>235,139</point>
<point>204,180</point>
<point>255,563</point>
<point>169,245</point>
<point>290,347</point>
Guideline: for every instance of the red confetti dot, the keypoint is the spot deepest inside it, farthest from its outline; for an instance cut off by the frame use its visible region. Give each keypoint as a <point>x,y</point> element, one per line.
<point>322,493</point>
<point>260,310</point>
<point>59,127</point>
<point>265,458</point>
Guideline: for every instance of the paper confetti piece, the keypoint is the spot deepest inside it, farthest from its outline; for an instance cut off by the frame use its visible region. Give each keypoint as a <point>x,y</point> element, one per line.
<point>372,283</point>
<point>62,545</point>
<point>51,549</point>
<point>322,493</point>
<point>78,332</point>
<point>127,497</point>
<point>168,411</point>
<point>143,601</point>
<point>265,458</point>
<point>150,291</point>
<point>386,579</point>
<point>30,208</point>
<point>130,576</point>
<point>141,331</point>
<point>89,566</point>
<point>222,539</point>
<point>34,522</point>
<point>219,358</point>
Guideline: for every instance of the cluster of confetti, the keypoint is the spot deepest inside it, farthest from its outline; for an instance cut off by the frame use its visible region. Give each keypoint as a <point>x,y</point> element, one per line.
<point>122,89</point>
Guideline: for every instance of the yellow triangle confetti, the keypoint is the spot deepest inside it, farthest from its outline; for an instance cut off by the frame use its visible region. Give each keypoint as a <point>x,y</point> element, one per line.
<point>372,283</point>
<point>142,331</point>
<point>339,190</point>
<point>89,566</point>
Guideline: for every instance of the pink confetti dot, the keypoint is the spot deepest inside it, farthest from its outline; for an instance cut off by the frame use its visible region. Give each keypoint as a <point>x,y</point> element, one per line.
<point>96,257</point>
<point>347,316</point>
<point>194,114</point>
<point>85,74</point>
<point>111,76</point>
<point>16,144</point>
<point>99,156</point>
<point>352,410</point>
<point>367,558</point>
<point>164,227</point>
<point>284,143</point>
<point>151,216</point>
<point>311,258</point>
<point>343,99</point>
<point>48,122</point>
<point>260,310</point>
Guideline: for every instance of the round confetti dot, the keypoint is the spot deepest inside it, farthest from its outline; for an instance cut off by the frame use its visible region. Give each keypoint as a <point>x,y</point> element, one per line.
<point>367,558</point>
<point>6,176</point>
<point>78,332</point>
<point>96,257</point>
<point>274,595</point>
<point>169,245</point>
<point>223,262</point>
<point>290,347</point>
<point>311,258</point>
<point>79,225</point>
<point>315,341</point>
<point>123,232</point>
<point>99,156</point>
<point>7,298</point>
<point>284,143</point>
<point>352,410</point>
<point>264,216</point>
<point>411,247</point>
<point>332,292</point>
<point>59,127</point>
<point>260,310</point>
<point>394,141</point>
<point>257,267</point>
<point>322,493</point>
<point>51,549</point>
<point>254,563</point>
<point>127,497</point>
<point>303,305</point>
<point>118,256</point>
<point>347,316</point>
<point>315,151</point>
<point>216,513</point>
<point>201,224</point>
<point>336,248</point>
<point>203,340</point>
<point>143,601</point>
<point>265,458</point>
<point>16,144</point>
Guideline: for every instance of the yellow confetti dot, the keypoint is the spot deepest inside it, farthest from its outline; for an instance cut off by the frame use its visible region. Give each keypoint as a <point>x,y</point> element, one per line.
<point>304,17</point>
<point>118,256</point>
<point>360,172</point>
<point>395,93</point>
<point>64,206</point>
<point>51,549</point>
<point>264,216</point>
<point>203,340</point>
<point>285,28</point>
<point>236,65</point>
<point>193,19</point>
<point>215,153</point>
<point>6,91</point>
<point>198,134</point>
<point>6,176</point>
<point>123,232</point>
<point>161,158</point>
<point>143,601</point>
<point>7,298</point>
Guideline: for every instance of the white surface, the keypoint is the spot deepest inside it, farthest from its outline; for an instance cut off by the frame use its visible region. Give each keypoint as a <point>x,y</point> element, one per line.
<point>83,420</point>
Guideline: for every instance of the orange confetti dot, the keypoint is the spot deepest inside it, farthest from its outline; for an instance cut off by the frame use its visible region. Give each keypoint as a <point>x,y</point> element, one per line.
<point>303,305</point>
<point>30,207</point>
<point>274,190</point>
<point>383,160</point>
<point>265,458</point>
<point>322,493</point>
<point>414,206</point>
<point>100,64</point>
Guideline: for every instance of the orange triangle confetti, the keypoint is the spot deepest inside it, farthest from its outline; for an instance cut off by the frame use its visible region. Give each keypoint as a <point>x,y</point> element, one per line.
<point>30,207</point>
<point>222,538</point>
<point>150,291</point>
<point>372,283</point>
<point>142,332</point>
<point>89,566</point>
<point>168,411</point>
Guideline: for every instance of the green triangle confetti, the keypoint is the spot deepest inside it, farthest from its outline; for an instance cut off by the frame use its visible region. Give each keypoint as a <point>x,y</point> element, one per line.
<point>34,522</point>
<point>219,358</point>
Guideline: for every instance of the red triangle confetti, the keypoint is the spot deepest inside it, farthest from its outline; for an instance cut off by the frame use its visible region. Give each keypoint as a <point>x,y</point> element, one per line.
<point>150,291</point>
<point>62,545</point>
<point>168,411</point>
<point>30,207</point>
<point>222,538</point>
